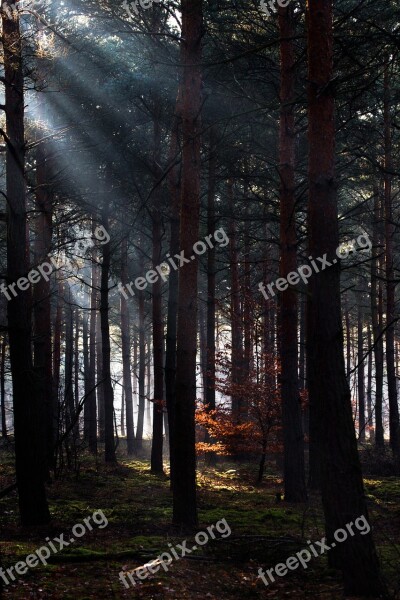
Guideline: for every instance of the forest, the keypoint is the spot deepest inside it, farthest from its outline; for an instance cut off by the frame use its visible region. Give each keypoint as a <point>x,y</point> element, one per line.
<point>199,303</point>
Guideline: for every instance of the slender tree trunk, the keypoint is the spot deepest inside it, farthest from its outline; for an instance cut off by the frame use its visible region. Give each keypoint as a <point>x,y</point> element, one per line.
<point>109,454</point>
<point>41,301</point>
<point>184,483</point>
<point>85,347</point>
<point>174,187</point>
<point>294,470</point>
<point>91,400</point>
<point>376,313</point>
<point>2,387</point>
<point>30,454</point>
<point>126,350</point>
<point>142,365</point>
<point>394,423</point>
<point>100,378</point>
<point>235,310</point>
<point>361,376</point>
<point>57,360</point>
<point>211,274</point>
<point>343,493</point>
<point>370,422</point>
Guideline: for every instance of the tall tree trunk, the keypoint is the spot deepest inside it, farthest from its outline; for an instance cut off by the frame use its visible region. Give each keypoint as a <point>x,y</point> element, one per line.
<point>343,493</point>
<point>361,376</point>
<point>294,473</point>
<point>91,400</point>
<point>184,484</point>
<point>157,313</point>
<point>109,453</point>
<point>142,363</point>
<point>57,361</point>
<point>174,186</point>
<point>41,301</point>
<point>100,378</point>
<point>211,274</point>
<point>2,386</point>
<point>85,348</point>
<point>376,313</point>
<point>394,423</point>
<point>370,421</point>
<point>235,310</point>
<point>30,454</point>
<point>126,351</point>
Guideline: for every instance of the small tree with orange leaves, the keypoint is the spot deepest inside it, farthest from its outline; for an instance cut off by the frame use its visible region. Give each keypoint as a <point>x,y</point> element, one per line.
<point>257,431</point>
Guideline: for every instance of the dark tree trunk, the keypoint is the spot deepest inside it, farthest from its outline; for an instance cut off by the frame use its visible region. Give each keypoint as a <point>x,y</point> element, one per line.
<point>184,483</point>
<point>2,387</point>
<point>126,350</point>
<point>376,312</point>
<point>41,300</point>
<point>371,435</point>
<point>361,376</point>
<point>100,378</point>
<point>211,273</point>
<point>142,364</point>
<point>294,474</point>
<point>343,493</point>
<point>174,184</point>
<point>57,361</point>
<point>237,356</point>
<point>157,314</point>
<point>394,423</point>
<point>85,348</point>
<point>109,454</point>
<point>91,400</point>
<point>29,431</point>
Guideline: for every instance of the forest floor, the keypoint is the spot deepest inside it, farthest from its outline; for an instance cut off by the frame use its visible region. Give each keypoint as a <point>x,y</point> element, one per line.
<point>137,505</point>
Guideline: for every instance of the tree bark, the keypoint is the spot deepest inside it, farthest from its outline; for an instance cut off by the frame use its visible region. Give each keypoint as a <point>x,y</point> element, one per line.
<point>109,454</point>
<point>377,318</point>
<point>294,473</point>
<point>126,350</point>
<point>184,484</point>
<point>394,423</point>
<point>361,376</point>
<point>30,453</point>
<point>343,493</point>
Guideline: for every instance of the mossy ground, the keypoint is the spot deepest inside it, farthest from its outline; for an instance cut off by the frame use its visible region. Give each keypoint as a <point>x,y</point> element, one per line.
<point>137,505</point>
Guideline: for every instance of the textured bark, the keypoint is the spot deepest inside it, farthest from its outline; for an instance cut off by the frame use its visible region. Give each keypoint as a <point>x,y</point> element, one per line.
<point>57,360</point>
<point>361,376</point>
<point>126,350</point>
<point>237,356</point>
<point>394,423</point>
<point>370,421</point>
<point>211,272</point>
<point>157,313</point>
<point>100,380</point>
<point>142,364</point>
<point>2,387</point>
<point>294,473</point>
<point>29,433</point>
<point>109,454</point>
<point>91,400</point>
<point>343,493</point>
<point>174,186</point>
<point>41,301</point>
<point>184,483</point>
<point>377,319</point>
